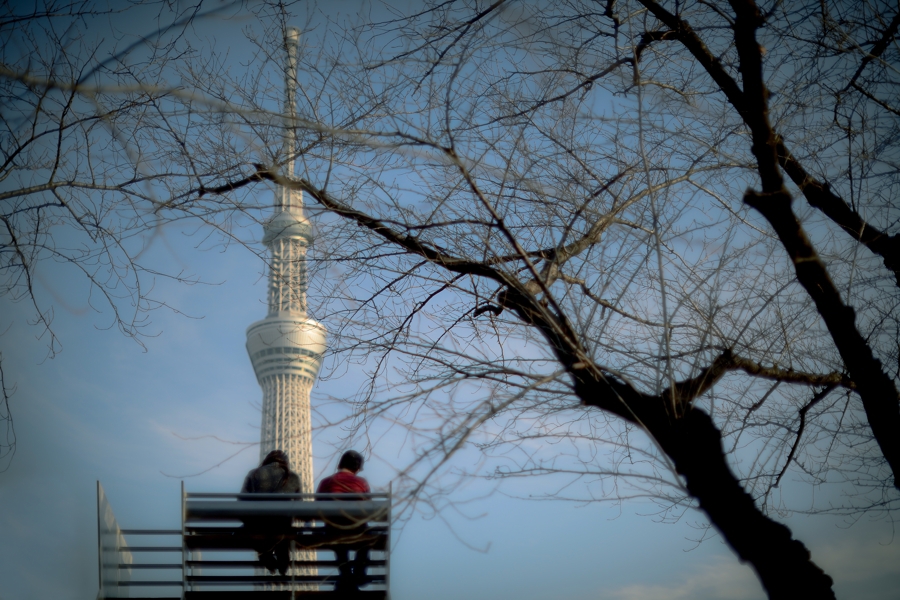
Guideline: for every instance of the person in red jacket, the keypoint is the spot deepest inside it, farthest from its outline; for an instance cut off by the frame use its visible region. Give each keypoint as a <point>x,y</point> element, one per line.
<point>346,481</point>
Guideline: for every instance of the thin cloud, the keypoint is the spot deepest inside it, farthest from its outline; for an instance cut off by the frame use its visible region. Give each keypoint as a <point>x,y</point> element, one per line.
<point>722,580</point>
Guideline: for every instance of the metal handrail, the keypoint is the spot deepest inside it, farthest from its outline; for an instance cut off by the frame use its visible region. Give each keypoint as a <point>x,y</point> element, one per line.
<point>201,511</point>
<point>361,510</point>
<point>150,531</point>
<point>278,496</point>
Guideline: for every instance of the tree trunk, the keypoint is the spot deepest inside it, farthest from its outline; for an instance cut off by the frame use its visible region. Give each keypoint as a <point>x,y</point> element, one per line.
<point>782,563</point>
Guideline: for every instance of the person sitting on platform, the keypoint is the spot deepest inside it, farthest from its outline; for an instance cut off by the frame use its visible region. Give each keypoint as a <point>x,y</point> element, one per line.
<point>346,481</point>
<point>273,476</point>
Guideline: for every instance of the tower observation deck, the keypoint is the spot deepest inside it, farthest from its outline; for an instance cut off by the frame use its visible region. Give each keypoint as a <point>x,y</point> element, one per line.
<point>286,347</point>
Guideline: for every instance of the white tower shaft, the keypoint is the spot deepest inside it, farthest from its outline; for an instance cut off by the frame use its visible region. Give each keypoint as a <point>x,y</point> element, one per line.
<point>286,347</point>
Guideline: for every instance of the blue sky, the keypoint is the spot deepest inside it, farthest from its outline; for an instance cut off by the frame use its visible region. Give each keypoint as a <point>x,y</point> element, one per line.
<point>140,419</point>
<point>104,408</point>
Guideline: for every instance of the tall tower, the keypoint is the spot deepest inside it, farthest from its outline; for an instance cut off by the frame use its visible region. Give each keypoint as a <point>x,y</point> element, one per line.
<point>286,347</point>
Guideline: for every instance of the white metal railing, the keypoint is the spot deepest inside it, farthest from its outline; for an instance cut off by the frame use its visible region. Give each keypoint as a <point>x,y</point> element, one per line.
<point>213,550</point>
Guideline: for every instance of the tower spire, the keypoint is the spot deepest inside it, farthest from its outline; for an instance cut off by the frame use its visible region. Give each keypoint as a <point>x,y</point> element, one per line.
<point>288,198</point>
<point>286,347</point>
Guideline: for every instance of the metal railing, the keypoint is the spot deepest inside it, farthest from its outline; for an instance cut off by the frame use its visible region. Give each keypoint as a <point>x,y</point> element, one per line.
<point>339,543</point>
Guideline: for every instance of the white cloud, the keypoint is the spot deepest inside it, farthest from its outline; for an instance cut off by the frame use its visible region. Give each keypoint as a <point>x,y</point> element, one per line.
<point>720,578</point>
<point>864,565</point>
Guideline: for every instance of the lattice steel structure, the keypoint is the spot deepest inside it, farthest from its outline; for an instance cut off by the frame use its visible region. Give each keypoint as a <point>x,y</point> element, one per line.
<point>286,347</point>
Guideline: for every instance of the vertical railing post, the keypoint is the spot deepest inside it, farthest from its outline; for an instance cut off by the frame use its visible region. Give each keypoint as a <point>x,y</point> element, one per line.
<point>387,546</point>
<point>113,554</point>
<point>292,553</point>
<point>184,572</point>
<point>99,545</point>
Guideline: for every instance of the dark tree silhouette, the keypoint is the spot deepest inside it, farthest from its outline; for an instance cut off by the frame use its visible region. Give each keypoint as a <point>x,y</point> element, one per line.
<point>569,234</point>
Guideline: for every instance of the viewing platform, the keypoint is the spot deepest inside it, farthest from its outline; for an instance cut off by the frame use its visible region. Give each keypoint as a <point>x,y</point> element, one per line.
<point>212,555</point>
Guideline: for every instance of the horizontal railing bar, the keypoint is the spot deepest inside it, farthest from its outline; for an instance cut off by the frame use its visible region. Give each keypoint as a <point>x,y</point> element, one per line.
<point>306,537</point>
<point>226,545</point>
<point>203,592</point>
<point>151,531</point>
<point>245,549</point>
<point>281,594</point>
<point>212,594</point>
<point>242,548</point>
<point>230,564</point>
<point>151,583</point>
<point>244,579</point>
<point>150,549</point>
<point>307,531</point>
<point>377,587</point>
<point>361,510</point>
<point>302,535</point>
<point>255,496</point>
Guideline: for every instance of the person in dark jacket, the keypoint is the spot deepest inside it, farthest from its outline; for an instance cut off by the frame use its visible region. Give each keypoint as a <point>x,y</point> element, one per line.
<point>346,481</point>
<point>273,476</point>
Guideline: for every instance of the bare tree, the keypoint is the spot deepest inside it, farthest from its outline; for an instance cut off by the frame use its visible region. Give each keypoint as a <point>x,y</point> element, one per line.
<point>579,196</point>
<point>96,141</point>
<point>860,118</point>
<point>8,444</point>
<point>88,153</point>
<point>538,235</point>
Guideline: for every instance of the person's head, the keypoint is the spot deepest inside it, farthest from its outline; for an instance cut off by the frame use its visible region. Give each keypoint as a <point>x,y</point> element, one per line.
<point>352,461</point>
<point>277,456</point>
